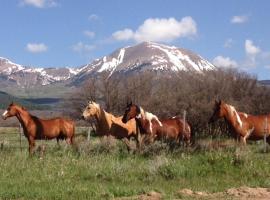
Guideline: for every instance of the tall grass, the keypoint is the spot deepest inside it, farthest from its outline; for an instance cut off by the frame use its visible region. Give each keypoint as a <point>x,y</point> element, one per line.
<point>104,169</point>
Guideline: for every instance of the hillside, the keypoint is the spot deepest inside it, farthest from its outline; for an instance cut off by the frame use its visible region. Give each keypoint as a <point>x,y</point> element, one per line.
<point>6,99</point>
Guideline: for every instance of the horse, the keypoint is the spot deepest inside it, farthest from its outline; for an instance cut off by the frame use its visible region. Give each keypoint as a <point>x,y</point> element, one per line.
<point>40,129</point>
<point>175,129</point>
<point>243,125</point>
<point>109,125</point>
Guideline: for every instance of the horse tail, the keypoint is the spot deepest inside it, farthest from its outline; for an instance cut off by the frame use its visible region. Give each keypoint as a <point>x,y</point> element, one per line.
<point>188,132</point>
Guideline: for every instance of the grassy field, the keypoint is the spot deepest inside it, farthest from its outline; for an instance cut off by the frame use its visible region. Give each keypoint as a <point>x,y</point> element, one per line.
<point>104,169</point>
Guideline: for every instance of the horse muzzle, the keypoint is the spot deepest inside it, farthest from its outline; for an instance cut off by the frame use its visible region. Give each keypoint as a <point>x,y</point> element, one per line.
<point>4,117</point>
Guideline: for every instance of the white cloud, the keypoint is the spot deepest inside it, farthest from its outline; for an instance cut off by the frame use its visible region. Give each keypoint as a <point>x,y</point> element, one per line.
<point>126,34</point>
<point>89,34</point>
<point>36,47</point>
<point>39,3</point>
<point>221,61</point>
<point>93,17</point>
<point>240,19</point>
<point>252,52</point>
<point>228,43</point>
<point>159,30</point>
<point>251,49</point>
<point>82,48</point>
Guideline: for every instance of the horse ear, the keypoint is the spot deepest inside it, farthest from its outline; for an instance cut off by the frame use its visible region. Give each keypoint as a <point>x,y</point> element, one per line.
<point>217,101</point>
<point>138,110</point>
<point>129,103</point>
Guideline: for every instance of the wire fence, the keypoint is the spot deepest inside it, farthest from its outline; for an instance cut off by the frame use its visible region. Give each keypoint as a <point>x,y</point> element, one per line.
<point>13,138</point>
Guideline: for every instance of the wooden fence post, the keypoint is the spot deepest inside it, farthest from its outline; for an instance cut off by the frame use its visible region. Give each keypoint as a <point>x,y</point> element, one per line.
<point>89,133</point>
<point>20,133</point>
<point>265,134</point>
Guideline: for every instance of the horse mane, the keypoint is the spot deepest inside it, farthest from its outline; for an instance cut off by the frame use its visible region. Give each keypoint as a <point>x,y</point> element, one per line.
<point>149,116</point>
<point>234,113</point>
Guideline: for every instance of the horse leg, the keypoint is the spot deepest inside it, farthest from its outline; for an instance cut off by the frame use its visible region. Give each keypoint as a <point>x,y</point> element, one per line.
<point>127,143</point>
<point>186,141</point>
<point>72,140</point>
<point>31,142</point>
<point>68,140</point>
<point>243,140</point>
<point>248,133</point>
<point>268,140</point>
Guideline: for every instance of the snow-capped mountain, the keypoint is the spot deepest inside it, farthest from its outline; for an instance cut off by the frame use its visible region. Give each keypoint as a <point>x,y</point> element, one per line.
<point>29,76</point>
<point>146,56</point>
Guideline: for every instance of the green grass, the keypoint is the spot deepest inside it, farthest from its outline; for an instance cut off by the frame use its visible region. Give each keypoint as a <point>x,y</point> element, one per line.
<point>103,169</point>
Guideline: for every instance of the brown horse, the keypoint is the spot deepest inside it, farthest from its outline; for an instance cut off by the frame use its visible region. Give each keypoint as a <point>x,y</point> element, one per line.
<point>40,129</point>
<point>244,126</point>
<point>172,128</point>
<point>109,125</point>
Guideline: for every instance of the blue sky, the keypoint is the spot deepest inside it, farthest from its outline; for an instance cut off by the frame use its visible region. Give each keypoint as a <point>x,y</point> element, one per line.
<point>72,33</point>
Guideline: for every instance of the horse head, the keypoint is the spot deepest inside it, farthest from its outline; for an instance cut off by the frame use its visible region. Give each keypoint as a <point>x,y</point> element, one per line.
<point>131,112</point>
<point>219,111</point>
<point>11,111</point>
<point>90,110</point>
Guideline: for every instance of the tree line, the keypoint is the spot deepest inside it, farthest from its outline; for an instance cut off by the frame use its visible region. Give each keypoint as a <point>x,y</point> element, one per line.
<point>168,95</point>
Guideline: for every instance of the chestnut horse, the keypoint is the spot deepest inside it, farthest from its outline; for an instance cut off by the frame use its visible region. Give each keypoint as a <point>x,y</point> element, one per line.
<point>244,126</point>
<point>149,124</point>
<point>40,129</point>
<point>108,124</point>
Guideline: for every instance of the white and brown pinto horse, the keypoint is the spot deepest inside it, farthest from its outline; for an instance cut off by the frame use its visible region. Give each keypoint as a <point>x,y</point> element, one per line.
<point>244,126</point>
<point>41,129</point>
<point>175,129</point>
<point>108,124</point>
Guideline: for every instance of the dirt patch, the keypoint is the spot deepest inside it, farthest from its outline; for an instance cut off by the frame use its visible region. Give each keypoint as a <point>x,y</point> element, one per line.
<point>233,193</point>
<point>242,193</point>
<point>148,196</point>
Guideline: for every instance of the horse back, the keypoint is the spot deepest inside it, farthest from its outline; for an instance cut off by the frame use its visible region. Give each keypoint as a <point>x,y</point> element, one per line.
<point>260,124</point>
<point>56,127</point>
<point>176,127</point>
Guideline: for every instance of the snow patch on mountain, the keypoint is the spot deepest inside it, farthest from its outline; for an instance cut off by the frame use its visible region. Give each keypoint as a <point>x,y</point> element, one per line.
<point>113,63</point>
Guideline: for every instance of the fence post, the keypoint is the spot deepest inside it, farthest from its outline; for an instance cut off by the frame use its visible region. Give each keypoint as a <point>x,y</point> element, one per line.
<point>20,133</point>
<point>184,126</point>
<point>184,118</point>
<point>265,134</point>
<point>89,133</point>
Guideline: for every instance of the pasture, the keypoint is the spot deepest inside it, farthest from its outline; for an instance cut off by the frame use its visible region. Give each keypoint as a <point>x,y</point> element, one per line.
<point>104,169</point>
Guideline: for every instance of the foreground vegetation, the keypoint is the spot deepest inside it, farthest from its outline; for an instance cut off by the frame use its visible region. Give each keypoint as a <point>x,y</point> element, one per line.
<point>104,169</point>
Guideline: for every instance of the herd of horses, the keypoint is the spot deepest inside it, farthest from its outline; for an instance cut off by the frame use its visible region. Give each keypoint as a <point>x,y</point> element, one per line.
<point>137,123</point>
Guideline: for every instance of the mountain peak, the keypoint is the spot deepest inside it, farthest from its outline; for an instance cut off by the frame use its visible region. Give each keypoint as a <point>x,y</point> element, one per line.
<point>145,56</point>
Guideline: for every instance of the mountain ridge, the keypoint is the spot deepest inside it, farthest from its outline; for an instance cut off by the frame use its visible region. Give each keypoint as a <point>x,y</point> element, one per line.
<point>145,56</point>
